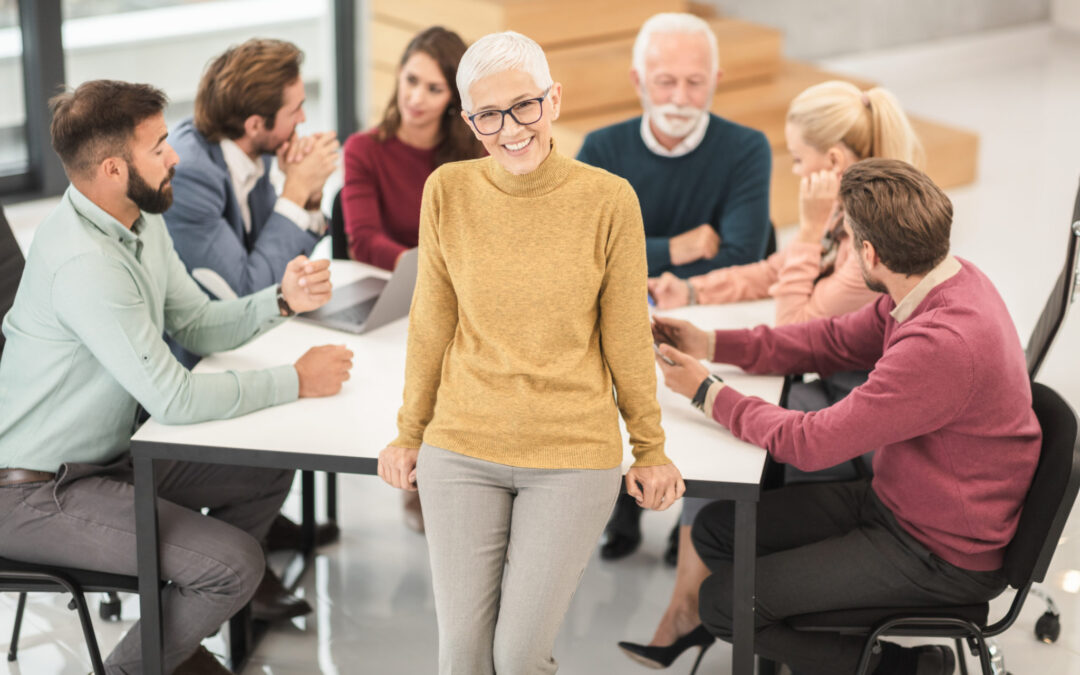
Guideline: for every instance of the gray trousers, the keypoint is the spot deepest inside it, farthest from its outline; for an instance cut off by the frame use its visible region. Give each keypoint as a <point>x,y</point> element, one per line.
<point>85,518</point>
<point>823,547</point>
<point>508,547</point>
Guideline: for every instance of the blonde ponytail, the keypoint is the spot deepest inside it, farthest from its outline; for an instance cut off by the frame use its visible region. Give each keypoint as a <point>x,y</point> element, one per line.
<point>892,135</point>
<point>870,124</point>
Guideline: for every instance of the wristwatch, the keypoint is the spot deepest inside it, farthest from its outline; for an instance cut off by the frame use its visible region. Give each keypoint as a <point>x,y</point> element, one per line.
<point>283,304</point>
<point>702,391</point>
<point>691,294</point>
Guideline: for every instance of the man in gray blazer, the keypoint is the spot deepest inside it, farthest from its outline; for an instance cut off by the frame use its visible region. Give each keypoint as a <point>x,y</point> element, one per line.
<point>234,233</point>
<point>232,229</point>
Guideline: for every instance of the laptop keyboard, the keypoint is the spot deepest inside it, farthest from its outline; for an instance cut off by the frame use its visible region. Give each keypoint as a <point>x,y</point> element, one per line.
<point>356,314</point>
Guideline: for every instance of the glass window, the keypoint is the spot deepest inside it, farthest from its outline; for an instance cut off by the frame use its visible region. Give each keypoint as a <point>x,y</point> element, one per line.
<point>77,9</point>
<point>13,155</point>
<point>167,43</point>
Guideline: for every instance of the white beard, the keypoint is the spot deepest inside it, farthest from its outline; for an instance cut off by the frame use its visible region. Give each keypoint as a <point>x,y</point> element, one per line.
<point>676,128</point>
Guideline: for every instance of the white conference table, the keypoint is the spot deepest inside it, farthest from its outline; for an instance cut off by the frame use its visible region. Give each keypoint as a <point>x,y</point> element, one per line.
<point>344,434</point>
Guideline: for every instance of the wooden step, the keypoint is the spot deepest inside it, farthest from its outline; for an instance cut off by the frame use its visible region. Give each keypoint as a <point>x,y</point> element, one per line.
<point>596,76</point>
<point>764,106</point>
<point>552,23</point>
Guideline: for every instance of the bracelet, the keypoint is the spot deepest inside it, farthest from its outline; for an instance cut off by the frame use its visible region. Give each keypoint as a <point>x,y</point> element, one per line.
<point>283,304</point>
<point>691,293</point>
<point>703,392</point>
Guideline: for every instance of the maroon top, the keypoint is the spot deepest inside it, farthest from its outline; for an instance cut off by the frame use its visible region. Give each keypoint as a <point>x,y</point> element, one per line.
<point>381,198</point>
<point>947,406</point>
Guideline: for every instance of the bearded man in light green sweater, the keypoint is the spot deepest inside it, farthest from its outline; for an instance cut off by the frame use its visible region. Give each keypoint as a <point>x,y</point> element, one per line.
<point>528,336</point>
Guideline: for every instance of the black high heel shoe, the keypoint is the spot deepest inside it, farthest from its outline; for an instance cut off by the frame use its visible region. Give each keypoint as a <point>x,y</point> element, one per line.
<point>662,657</point>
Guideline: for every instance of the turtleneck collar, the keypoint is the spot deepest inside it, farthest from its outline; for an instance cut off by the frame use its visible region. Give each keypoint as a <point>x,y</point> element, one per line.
<point>551,173</point>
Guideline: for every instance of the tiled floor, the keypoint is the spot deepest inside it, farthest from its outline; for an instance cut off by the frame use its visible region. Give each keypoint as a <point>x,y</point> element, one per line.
<point>374,613</point>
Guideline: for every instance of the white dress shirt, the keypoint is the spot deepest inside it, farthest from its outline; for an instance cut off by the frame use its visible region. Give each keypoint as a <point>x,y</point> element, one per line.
<point>245,172</point>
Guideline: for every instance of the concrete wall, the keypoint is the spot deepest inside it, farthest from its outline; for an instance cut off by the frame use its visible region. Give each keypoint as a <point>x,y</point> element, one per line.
<point>819,28</point>
<point>1066,14</point>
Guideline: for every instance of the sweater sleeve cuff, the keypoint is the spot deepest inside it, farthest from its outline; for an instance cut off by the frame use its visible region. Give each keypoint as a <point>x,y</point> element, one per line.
<point>407,441</point>
<point>652,455</point>
<point>710,397</point>
<point>658,253</point>
<point>730,346</point>
<point>723,404</point>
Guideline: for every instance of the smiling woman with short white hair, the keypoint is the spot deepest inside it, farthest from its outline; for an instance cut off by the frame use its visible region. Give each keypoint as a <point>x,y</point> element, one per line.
<point>529,313</point>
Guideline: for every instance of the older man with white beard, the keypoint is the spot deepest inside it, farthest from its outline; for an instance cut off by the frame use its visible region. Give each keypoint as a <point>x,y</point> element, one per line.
<point>703,181</point>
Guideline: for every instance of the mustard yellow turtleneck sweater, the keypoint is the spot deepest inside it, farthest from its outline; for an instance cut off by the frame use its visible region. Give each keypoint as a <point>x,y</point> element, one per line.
<point>529,329</point>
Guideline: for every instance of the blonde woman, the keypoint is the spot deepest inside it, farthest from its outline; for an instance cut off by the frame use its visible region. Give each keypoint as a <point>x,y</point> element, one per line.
<point>529,311</point>
<point>830,126</point>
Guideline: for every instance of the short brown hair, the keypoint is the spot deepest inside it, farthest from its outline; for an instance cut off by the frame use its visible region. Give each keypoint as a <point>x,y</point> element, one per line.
<point>246,80</point>
<point>98,119</point>
<point>899,210</point>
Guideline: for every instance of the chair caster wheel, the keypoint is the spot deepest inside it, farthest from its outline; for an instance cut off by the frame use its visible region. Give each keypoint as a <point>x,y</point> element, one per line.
<point>1048,628</point>
<point>109,609</point>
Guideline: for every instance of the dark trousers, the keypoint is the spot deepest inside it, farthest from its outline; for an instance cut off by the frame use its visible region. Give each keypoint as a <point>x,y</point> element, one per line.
<point>85,518</point>
<point>822,547</point>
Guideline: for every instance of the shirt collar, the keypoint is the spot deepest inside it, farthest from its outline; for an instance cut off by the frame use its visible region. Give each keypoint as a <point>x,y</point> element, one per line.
<point>945,270</point>
<point>100,219</point>
<point>688,144</point>
<point>243,169</point>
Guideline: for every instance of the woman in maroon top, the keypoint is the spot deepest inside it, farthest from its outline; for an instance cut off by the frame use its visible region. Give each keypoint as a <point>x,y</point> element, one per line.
<point>385,167</point>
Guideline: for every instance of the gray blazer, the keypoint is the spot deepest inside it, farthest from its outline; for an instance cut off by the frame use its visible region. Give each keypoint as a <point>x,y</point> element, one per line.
<point>207,228</point>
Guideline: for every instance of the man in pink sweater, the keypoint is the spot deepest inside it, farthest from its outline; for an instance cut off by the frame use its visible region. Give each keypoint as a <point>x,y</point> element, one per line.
<point>947,406</point>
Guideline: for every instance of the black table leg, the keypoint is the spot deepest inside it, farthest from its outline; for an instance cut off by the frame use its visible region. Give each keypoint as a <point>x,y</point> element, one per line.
<point>307,512</point>
<point>331,497</point>
<point>146,545</point>
<point>742,659</point>
<point>241,638</point>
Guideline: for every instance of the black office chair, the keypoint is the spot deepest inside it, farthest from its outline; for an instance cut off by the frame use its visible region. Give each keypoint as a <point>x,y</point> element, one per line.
<point>23,578</point>
<point>1057,305</point>
<point>1046,507</point>
<point>11,269</point>
<point>339,242</point>
<point>770,245</point>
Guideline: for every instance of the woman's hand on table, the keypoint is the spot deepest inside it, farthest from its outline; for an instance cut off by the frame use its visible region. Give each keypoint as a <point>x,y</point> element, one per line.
<point>397,466</point>
<point>655,487</point>
<point>322,370</point>
<point>687,373</point>
<point>682,335</point>
<point>669,291</point>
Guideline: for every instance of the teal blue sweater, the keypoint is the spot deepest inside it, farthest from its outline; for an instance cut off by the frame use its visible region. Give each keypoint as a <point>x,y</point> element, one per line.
<point>724,182</point>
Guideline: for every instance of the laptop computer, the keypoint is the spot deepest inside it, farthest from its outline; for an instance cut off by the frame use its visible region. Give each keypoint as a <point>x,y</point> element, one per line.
<point>370,302</point>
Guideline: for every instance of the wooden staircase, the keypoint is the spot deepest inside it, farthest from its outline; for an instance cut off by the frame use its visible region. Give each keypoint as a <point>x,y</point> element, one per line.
<point>589,44</point>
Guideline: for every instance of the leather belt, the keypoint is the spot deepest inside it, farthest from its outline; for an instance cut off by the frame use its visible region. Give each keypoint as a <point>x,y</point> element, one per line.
<point>17,476</point>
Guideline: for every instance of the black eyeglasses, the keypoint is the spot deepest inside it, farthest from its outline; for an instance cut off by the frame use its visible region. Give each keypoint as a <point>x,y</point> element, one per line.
<point>529,111</point>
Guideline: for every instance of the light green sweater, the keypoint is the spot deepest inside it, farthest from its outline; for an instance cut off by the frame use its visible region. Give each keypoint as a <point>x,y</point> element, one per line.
<point>529,320</point>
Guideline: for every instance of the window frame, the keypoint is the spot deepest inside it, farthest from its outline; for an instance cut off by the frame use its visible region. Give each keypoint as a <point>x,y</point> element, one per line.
<point>40,23</point>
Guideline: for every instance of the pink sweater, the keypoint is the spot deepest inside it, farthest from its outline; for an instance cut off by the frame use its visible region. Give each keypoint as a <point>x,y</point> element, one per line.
<point>791,276</point>
<point>947,406</point>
